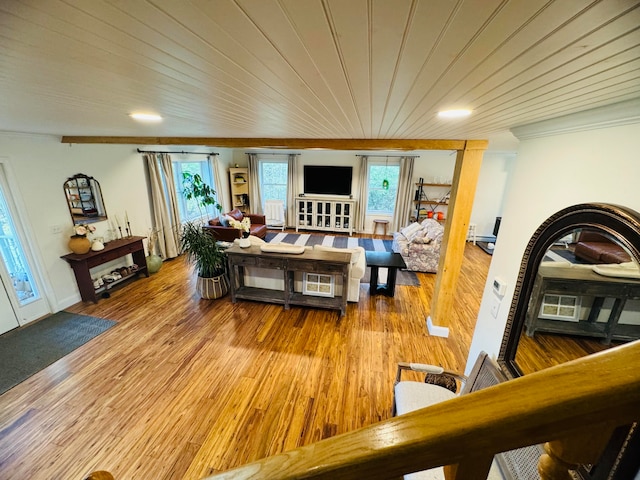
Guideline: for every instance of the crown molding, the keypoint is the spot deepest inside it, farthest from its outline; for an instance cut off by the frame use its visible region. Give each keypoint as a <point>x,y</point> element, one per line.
<point>617,114</point>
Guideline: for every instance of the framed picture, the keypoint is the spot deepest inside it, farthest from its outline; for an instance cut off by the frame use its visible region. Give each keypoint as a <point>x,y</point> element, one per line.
<point>318,285</point>
<point>560,307</point>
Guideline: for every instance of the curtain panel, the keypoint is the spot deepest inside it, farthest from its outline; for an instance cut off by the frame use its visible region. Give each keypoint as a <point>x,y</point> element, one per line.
<point>292,188</point>
<point>364,194</point>
<point>404,195</point>
<point>166,217</point>
<point>255,199</point>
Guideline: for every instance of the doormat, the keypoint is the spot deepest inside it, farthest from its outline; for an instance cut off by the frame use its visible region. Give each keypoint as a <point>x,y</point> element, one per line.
<point>27,350</point>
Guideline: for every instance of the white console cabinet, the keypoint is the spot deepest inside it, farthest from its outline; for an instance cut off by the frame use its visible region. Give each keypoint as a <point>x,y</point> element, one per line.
<point>327,214</point>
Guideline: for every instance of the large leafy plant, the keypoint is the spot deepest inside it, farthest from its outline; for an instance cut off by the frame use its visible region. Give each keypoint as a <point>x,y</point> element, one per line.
<point>201,249</point>
<point>198,245</point>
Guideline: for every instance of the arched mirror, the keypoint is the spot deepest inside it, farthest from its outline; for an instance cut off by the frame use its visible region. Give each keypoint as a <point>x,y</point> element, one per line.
<point>577,293</point>
<point>84,198</point>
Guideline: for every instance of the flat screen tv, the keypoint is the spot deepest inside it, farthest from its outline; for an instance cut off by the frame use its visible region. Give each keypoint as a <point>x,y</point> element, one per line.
<point>326,180</point>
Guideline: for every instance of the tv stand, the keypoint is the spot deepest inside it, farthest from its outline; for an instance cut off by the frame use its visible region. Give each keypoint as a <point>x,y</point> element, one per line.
<point>334,214</point>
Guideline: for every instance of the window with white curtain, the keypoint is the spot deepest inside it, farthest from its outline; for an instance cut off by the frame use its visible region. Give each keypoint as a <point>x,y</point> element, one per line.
<point>189,209</point>
<point>383,186</point>
<point>273,179</point>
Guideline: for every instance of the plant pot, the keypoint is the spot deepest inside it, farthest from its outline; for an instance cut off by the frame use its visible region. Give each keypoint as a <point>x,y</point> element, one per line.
<point>212,288</point>
<point>79,244</point>
<point>154,262</point>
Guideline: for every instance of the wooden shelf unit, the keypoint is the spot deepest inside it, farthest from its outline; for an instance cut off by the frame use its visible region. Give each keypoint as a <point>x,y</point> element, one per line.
<point>326,214</point>
<point>422,198</point>
<point>239,183</point>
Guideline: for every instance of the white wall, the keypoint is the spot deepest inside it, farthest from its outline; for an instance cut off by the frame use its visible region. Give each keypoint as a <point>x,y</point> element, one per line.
<point>548,175</point>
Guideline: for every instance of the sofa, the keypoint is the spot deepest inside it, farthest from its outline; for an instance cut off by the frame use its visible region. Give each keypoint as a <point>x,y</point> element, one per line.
<point>419,245</point>
<point>596,248</point>
<point>222,231</point>
<point>273,279</point>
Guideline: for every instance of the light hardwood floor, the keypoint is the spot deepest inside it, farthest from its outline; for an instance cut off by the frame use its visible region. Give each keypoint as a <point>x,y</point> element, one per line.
<point>183,387</point>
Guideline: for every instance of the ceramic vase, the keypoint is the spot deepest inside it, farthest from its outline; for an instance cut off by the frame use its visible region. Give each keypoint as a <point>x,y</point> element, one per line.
<point>244,242</point>
<point>79,244</point>
<point>154,262</point>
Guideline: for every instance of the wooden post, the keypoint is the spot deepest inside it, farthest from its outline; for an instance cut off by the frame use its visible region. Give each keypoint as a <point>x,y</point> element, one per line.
<point>465,179</point>
<point>567,453</point>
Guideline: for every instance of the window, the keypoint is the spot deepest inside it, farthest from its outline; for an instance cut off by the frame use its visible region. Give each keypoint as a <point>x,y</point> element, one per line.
<point>189,209</point>
<point>273,180</point>
<point>382,200</point>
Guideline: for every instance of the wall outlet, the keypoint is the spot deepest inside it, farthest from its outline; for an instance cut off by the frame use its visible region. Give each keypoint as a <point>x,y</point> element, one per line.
<point>495,306</point>
<point>56,229</point>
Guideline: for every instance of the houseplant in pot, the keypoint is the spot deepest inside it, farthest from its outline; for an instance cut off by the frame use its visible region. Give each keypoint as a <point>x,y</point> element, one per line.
<point>199,246</point>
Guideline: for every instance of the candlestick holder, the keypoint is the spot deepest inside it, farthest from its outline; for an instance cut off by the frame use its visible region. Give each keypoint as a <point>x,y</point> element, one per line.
<point>129,232</point>
<point>120,228</point>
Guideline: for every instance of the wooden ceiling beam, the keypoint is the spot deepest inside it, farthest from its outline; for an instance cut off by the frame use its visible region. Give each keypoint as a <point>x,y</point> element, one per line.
<point>289,143</point>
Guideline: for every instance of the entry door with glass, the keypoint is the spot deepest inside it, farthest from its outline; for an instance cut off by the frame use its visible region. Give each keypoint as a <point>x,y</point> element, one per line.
<point>20,299</point>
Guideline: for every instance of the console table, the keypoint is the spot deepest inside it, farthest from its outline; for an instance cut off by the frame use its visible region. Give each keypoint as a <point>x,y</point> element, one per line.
<point>328,263</point>
<point>583,282</point>
<point>82,264</point>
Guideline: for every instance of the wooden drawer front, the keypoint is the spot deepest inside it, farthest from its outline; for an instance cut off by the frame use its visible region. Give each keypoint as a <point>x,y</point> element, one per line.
<point>315,266</point>
<point>242,260</point>
<point>105,257</point>
<point>267,262</point>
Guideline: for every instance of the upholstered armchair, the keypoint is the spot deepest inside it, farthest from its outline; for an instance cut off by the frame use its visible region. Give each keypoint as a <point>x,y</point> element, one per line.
<point>222,231</point>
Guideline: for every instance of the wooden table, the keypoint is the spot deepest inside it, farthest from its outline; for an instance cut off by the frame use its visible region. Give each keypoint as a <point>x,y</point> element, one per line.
<point>583,282</point>
<point>389,260</point>
<point>311,261</point>
<point>82,264</point>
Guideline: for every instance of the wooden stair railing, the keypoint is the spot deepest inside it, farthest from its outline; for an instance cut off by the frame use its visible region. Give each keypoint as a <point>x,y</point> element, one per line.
<point>573,406</point>
<point>600,391</point>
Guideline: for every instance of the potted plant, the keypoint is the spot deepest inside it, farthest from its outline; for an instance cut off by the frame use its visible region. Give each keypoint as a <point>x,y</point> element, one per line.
<point>199,246</point>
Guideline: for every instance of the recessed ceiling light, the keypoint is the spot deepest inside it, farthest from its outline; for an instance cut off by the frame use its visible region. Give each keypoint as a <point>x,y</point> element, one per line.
<point>146,117</point>
<point>454,113</point>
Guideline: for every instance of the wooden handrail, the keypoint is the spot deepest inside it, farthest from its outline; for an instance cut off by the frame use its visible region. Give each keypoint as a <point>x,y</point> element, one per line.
<point>601,390</point>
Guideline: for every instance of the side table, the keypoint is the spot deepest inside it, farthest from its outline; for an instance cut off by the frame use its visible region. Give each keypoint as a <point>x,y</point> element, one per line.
<point>389,260</point>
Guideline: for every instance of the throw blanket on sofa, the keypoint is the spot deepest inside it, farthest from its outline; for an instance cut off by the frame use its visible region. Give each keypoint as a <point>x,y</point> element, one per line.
<point>371,244</point>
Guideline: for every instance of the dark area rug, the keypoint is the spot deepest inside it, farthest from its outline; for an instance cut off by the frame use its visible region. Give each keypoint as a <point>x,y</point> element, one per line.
<point>25,351</point>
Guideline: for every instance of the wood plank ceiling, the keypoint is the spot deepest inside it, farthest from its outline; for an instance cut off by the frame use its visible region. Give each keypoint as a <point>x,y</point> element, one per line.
<point>374,69</point>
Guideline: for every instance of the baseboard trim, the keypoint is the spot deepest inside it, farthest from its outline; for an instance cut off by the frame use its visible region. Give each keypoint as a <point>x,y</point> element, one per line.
<point>436,330</point>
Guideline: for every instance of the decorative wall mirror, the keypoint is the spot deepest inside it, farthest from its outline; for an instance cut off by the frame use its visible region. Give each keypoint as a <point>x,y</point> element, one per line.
<point>577,293</point>
<point>84,198</point>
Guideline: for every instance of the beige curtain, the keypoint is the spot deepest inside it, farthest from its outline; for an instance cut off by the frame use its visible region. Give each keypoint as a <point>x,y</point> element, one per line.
<point>292,188</point>
<point>364,193</point>
<point>255,199</point>
<point>404,196</point>
<point>166,217</point>
<point>218,175</point>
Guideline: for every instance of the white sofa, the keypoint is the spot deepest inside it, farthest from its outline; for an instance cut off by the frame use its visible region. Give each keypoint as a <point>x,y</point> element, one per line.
<point>273,279</point>
<point>419,245</point>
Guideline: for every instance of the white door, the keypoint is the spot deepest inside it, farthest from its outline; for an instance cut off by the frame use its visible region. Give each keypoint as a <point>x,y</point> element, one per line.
<point>8,320</point>
<point>21,292</point>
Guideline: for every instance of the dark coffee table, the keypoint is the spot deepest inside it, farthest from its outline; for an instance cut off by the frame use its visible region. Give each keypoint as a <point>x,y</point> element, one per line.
<point>390,260</point>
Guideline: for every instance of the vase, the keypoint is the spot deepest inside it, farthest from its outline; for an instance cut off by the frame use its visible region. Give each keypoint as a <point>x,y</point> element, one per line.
<point>79,244</point>
<point>154,262</point>
<point>244,242</point>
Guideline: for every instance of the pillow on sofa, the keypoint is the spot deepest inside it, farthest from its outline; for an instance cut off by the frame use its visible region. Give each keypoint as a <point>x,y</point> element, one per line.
<point>224,219</point>
<point>236,214</point>
<point>411,231</point>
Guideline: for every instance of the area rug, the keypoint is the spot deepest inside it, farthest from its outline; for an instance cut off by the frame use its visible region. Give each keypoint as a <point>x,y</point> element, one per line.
<point>369,244</point>
<point>25,351</point>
